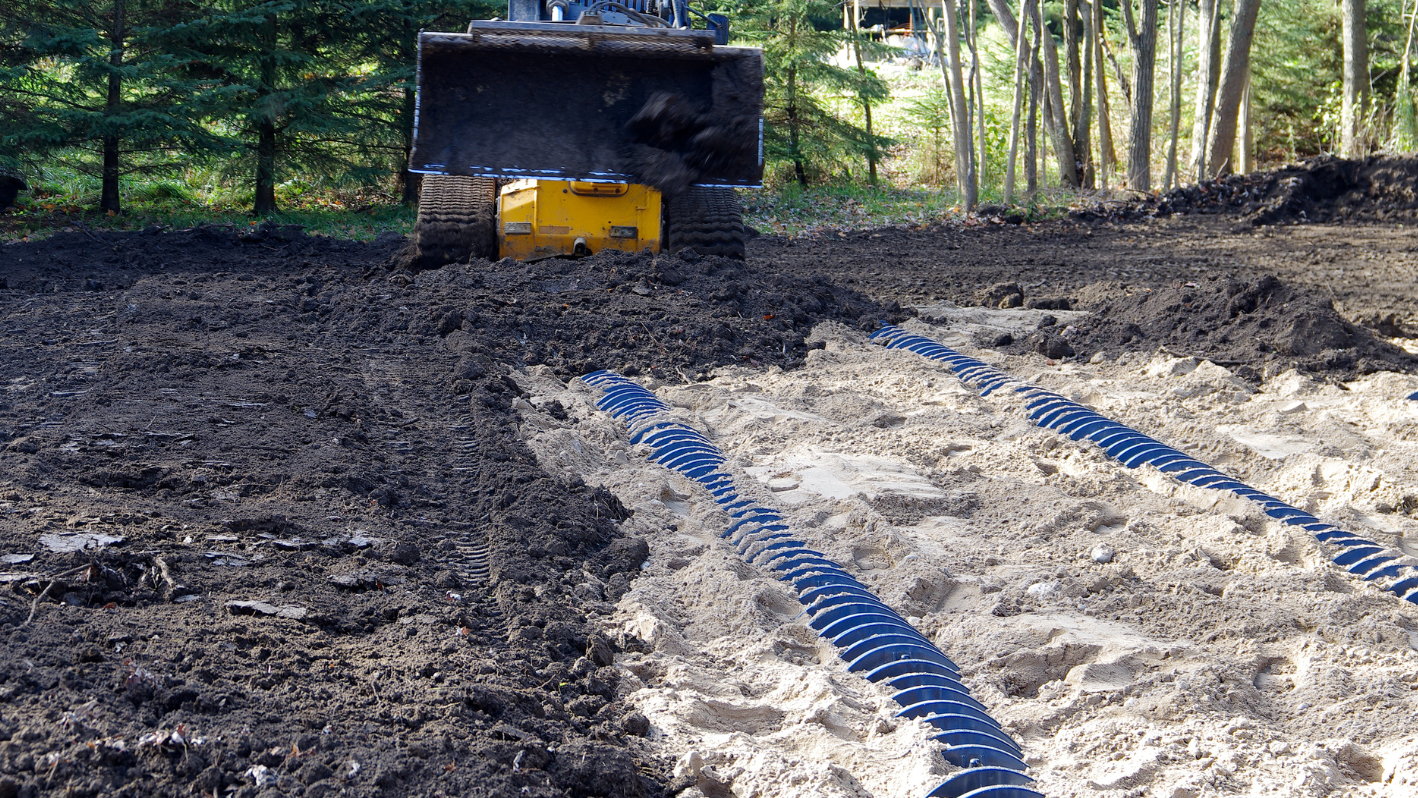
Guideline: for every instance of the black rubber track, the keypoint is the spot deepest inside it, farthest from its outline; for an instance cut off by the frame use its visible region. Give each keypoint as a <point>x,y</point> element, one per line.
<point>457,220</point>
<point>706,220</point>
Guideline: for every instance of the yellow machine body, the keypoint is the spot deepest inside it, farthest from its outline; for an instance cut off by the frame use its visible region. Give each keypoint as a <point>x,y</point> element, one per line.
<point>545,218</point>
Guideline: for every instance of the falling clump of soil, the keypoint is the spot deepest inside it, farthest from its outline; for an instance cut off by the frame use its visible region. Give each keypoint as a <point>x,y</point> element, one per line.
<point>1245,325</point>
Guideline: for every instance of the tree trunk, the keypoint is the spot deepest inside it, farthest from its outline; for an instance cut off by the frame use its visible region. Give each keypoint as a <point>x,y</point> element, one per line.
<point>1405,123</point>
<point>977,84</point>
<point>1077,91</point>
<point>409,182</point>
<point>266,168</point>
<point>1047,86</point>
<point>1208,74</point>
<point>1143,40</point>
<point>1083,126</point>
<point>1021,52</point>
<point>1058,112</point>
<point>1222,139</point>
<point>1356,77</point>
<point>1106,153</point>
<point>108,196</point>
<point>852,9</point>
<point>799,170</point>
<point>1177,13</point>
<point>265,204</point>
<point>964,147</point>
<point>1036,89</point>
<point>1245,146</point>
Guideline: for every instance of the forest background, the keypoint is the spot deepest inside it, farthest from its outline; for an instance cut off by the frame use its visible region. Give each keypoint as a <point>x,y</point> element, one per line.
<point>125,112</point>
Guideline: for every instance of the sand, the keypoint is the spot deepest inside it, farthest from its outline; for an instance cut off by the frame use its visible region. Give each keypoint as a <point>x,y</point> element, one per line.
<point>1212,652</point>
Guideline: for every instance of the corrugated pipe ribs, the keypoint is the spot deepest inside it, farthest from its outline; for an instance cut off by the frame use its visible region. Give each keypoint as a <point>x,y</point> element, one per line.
<point>873,639</point>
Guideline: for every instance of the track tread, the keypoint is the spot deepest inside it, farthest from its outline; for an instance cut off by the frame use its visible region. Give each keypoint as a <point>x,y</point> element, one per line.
<point>706,220</point>
<point>457,220</point>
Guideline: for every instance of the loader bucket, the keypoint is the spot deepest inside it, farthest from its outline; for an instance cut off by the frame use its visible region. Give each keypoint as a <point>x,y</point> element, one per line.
<point>559,101</point>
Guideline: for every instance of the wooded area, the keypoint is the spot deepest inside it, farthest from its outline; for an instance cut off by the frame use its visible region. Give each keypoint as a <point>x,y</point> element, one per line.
<point>1065,91</point>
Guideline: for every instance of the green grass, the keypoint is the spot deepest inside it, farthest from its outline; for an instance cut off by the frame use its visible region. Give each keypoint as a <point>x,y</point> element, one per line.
<point>792,210</point>
<point>66,200</point>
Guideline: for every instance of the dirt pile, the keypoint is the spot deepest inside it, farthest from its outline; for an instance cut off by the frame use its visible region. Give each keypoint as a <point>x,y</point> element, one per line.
<point>1380,188</point>
<point>1250,326</point>
<point>670,316</point>
<point>1377,189</point>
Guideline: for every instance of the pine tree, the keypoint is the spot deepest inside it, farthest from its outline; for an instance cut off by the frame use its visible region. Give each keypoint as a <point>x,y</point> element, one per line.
<point>88,82</point>
<point>800,128</point>
<point>277,77</point>
<point>388,39</point>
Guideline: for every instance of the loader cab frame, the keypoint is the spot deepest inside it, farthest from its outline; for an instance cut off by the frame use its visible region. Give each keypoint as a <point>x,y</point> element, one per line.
<point>670,13</point>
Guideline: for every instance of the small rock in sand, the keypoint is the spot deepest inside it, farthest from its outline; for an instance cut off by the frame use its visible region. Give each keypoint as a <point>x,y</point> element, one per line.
<point>1102,553</point>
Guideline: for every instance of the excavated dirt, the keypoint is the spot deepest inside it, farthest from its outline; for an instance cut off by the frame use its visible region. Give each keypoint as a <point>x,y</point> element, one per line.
<point>1325,189</point>
<point>239,477</point>
<point>1253,327</point>
<point>245,477</point>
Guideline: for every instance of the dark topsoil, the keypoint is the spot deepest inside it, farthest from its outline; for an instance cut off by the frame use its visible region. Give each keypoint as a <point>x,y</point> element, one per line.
<point>280,419</point>
<point>266,417</point>
<point>1325,189</point>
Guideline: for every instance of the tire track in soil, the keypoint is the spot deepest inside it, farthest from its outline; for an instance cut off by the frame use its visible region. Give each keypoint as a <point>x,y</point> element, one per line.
<point>449,450</point>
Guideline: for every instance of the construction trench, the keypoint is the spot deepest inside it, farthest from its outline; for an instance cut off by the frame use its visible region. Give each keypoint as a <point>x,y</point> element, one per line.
<point>279,519</point>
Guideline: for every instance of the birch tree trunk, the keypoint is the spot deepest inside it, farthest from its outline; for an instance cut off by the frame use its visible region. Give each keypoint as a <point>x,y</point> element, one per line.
<point>1021,52</point>
<point>1143,40</point>
<point>851,9</point>
<point>1222,139</point>
<point>1208,73</point>
<point>1106,156</point>
<point>1177,11</point>
<point>964,148</point>
<point>1356,76</point>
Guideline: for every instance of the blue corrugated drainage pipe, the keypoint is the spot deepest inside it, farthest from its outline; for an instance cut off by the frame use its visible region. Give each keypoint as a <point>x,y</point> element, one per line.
<point>1357,555</point>
<point>869,636</point>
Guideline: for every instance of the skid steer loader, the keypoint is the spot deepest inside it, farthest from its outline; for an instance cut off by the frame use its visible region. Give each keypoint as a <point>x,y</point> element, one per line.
<point>580,126</point>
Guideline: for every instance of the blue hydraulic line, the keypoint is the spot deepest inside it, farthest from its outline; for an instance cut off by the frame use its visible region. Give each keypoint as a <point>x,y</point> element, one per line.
<point>1357,555</point>
<point>869,636</point>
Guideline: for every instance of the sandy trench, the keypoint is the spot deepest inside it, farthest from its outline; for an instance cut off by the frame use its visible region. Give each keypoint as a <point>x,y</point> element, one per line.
<point>1217,653</point>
